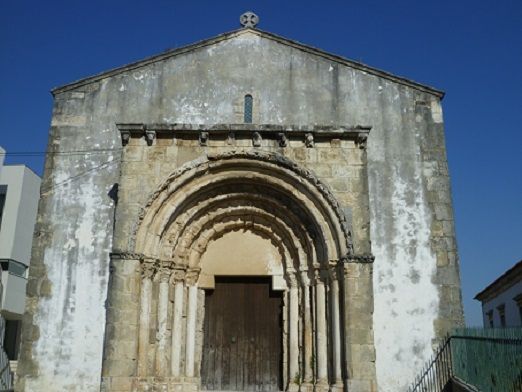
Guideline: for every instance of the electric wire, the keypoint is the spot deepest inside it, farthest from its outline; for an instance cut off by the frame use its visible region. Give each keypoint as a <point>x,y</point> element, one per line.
<point>72,152</point>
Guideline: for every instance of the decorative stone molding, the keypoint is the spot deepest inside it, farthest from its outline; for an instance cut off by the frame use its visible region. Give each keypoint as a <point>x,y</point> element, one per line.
<point>126,256</point>
<point>307,133</point>
<point>361,259</point>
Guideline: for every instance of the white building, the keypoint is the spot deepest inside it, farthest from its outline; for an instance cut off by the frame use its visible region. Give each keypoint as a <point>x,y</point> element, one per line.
<point>502,300</point>
<point>19,195</point>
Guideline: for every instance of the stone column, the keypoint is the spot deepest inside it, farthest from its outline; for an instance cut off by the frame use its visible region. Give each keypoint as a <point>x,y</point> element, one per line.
<point>191,323</point>
<point>177,279</point>
<point>308,334</point>
<point>148,268</point>
<point>121,332</point>
<point>336,329</point>
<point>163,276</point>
<point>321,328</point>
<point>293,363</point>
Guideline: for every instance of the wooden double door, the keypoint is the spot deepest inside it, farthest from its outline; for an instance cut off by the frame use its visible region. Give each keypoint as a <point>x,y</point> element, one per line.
<point>242,345</point>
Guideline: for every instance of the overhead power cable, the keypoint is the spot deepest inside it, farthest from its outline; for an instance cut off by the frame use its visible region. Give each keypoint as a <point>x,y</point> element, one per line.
<point>73,152</point>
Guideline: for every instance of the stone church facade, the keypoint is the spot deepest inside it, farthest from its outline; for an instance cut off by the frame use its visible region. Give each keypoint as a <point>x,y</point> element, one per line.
<point>246,213</point>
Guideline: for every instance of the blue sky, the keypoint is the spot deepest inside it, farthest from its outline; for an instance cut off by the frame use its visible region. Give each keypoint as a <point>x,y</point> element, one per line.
<point>470,49</point>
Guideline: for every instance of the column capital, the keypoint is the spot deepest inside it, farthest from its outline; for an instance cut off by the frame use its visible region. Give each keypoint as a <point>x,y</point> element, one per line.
<point>334,273</point>
<point>149,267</point>
<point>178,275</point>
<point>192,275</point>
<point>164,270</point>
<point>292,280</point>
<point>320,275</point>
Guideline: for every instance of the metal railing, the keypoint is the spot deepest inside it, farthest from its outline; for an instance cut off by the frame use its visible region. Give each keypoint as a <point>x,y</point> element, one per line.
<point>436,374</point>
<point>486,359</point>
<point>6,376</point>
<point>489,359</point>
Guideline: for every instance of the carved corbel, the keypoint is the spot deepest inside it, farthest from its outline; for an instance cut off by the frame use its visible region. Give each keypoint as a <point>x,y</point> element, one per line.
<point>231,138</point>
<point>283,140</point>
<point>203,138</point>
<point>361,139</point>
<point>256,139</point>
<point>125,137</point>
<point>309,140</point>
<point>150,136</point>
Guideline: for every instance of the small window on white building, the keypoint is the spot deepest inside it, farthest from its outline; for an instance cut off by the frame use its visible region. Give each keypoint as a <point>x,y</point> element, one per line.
<point>502,314</point>
<point>248,109</point>
<point>489,315</point>
<point>518,300</point>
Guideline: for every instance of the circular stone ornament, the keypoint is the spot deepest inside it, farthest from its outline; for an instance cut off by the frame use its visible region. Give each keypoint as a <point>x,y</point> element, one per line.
<point>249,19</point>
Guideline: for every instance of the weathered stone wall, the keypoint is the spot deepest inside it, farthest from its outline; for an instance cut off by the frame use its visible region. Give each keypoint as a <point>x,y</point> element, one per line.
<point>339,162</point>
<point>416,281</point>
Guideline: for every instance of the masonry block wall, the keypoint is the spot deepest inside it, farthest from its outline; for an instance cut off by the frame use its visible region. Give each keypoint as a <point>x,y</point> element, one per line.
<point>410,223</point>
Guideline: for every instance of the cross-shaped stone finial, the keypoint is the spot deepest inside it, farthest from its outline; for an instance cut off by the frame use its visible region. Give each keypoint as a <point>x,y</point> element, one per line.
<point>249,19</point>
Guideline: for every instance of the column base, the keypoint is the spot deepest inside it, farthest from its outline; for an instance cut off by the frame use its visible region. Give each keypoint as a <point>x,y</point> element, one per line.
<point>293,387</point>
<point>322,386</point>
<point>337,387</point>
<point>149,384</point>
<point>307,386</point>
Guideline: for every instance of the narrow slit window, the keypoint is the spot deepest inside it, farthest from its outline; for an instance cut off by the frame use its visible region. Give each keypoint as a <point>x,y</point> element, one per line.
<point>248,109</point>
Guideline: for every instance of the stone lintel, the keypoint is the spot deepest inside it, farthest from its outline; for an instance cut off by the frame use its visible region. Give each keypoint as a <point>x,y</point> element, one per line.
<point>358,133</point>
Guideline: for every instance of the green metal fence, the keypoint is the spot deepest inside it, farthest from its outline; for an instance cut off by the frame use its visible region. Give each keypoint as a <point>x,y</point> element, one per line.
<point>489,359</point>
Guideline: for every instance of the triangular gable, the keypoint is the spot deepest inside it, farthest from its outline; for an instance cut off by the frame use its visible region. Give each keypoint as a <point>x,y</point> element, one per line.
<point>230,35</point>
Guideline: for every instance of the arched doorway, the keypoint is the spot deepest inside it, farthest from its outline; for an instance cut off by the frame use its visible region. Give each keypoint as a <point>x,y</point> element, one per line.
<point>241,215</point>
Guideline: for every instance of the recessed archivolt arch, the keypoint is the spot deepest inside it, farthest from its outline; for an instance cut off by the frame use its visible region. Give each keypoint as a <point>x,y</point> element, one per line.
<point>270,172</point>
<point>289,263</point>
<point>319,225</point>
<point>208,211</point>
<point>247,218</point>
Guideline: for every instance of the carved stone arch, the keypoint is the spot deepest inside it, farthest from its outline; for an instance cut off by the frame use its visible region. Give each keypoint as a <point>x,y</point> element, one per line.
<point>288,258</point>
<point>209,210</point>
<point>288,208</point>
<point>269,170</point>
<point>247,218</point>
